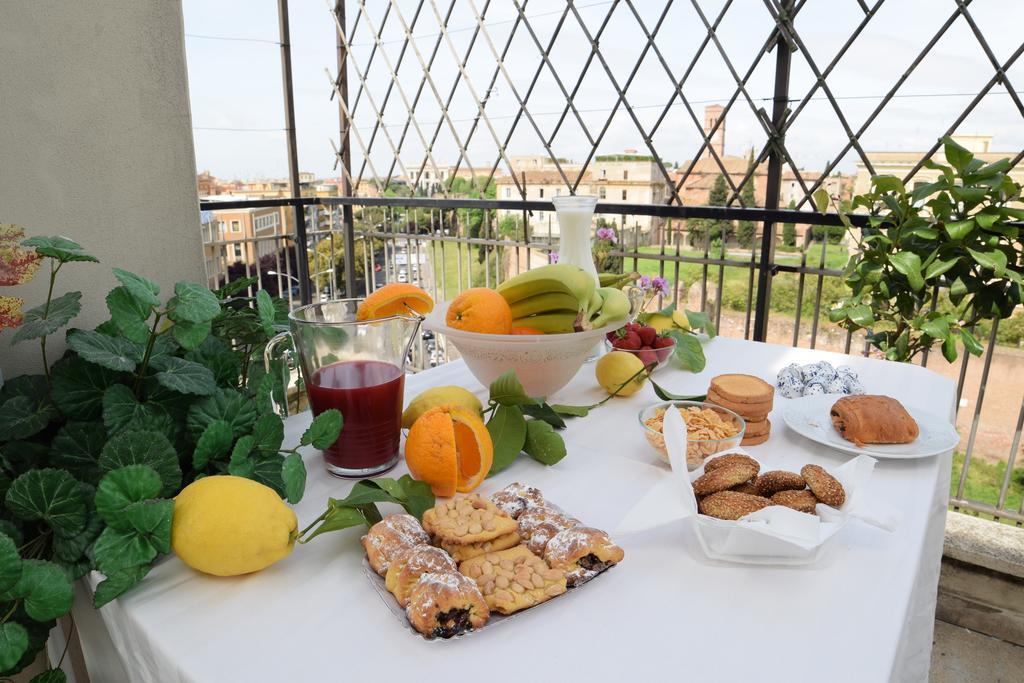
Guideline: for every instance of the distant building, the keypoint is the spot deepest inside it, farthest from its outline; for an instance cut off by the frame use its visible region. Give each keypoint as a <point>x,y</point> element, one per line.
<point>239,235</point>
<point>208,185</point>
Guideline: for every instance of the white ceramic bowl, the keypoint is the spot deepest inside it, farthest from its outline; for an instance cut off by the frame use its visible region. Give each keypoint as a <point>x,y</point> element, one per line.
<point>544,363</point>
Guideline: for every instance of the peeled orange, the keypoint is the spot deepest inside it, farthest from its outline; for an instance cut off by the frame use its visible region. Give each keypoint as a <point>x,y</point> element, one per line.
<point>396,298</point>
<point>480,310</point>
<point>450,449</point>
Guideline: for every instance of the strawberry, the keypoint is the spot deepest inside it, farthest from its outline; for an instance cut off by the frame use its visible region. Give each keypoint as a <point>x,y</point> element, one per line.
<point>629,342</point>
<point>663,342</point>
<point>647,335</point>
<point>648,357</point>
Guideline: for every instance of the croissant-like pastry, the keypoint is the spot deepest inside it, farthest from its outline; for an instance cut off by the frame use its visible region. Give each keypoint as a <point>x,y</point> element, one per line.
<point>390,536</point>
<point>873,419</point>
<point>409,565</point>
<point>445,604</point>
<point>582,553</point>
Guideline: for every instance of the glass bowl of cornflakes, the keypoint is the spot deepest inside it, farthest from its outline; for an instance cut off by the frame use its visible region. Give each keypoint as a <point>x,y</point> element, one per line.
<point>710,429</point>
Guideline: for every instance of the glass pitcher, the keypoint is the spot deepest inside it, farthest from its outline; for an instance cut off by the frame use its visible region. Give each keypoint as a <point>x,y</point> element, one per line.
<point>357,367</point>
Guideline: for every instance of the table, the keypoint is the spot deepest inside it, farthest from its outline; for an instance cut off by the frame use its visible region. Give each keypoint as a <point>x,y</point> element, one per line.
<point>863,613</point>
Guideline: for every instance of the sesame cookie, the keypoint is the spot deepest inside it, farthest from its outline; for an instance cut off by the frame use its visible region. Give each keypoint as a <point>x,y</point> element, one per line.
<point>826,487</point>
<point>801,501</point>
<point>722,478</point>
<point>728,459</point>
<point>772,482</point>
<point>731,505</point>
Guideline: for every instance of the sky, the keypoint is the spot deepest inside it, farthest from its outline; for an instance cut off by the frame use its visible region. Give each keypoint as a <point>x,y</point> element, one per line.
<point>237,104</point>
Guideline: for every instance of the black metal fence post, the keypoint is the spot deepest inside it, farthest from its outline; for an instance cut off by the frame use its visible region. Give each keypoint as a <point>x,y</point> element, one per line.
<point>780,108</point>
<point>345,153</point>
<point>301,243</point>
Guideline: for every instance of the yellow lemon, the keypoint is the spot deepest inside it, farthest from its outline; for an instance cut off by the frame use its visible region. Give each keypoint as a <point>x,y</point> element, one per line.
<point>662,323</point>
<point>457,397</point>
<point>226,526</point>
<point>680,319</point>
<point>616,368</point>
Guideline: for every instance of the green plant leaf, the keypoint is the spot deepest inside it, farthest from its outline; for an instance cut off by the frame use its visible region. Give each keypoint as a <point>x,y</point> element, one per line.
<point>543,443</point>
<point>265,309</point>
<point>938,267</point>
<point>152,519</point>
<point>40,322</point>
<point>938,328</point>
<point>293,473</point>
<point>241,465</point>
<point>324,430</point>
<point>949,351</point>
<point>194,303</point>
<point>213,443</point>
<point>971,343</point>
<point>45,589</point>
<point>994,260</point>
<point>266,469</point>
<point>10,563</point>
<point>70,549</point>
<point>122,411</point>
<point>861,315</point>
<point>115,550</point>
<point>574,411</point>
<point>118,582</point>
<point>50,676</point>
<point>269,432</point>
<point>110,352</point>
<point>22,417</point>
<point>13,644</point>
<point>689,353</point>
<point>701,321</point>
<point>542,411</point>
<point>666,395</point>
<point>958,230</point>
<point>909,264</point>
<point>418,496</point>
<point>128,314</point>
<point>77,387</point>
<point>60,248</point>
<point>120,488</point>
<point>144,448</point>
<point>368,491</point>
<point>184,376</point>
<point>958,157</point>
<point>337,519</point>
<point>190,335</point>
<point>821,200</point>
<point>888,183</point>
<point>507,428</point>
<point>224,404</point>
<point>507,391</point>
<point>48,495</point>
<point>145,291</point>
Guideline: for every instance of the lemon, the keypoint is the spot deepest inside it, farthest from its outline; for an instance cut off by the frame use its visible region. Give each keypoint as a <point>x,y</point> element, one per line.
<point>662,323</point>
<point>616,368</point>
<point>226,526</point>
<point>680,319</point>
<point>440,396</point>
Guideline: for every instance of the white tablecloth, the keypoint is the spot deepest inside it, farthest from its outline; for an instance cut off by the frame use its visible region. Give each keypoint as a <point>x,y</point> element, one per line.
<point>863,613</point>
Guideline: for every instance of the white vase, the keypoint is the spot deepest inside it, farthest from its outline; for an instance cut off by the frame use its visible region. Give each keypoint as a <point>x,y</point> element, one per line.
<point>575,215</point>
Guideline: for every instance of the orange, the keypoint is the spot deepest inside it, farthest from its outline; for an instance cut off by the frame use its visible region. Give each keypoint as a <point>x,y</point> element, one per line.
<point>396,298</point>
<point>525,330</point>
<point>480,310</point>
<point>450,449</point>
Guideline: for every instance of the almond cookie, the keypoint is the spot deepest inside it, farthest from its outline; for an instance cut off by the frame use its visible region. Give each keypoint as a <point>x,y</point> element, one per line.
<point>409,565</point>
<point>751,412</point>
<point>515,498</point>
<point>826,487</point>
<point>728,459</point>
<point>742,388</point>
<point>722,478</point>
<point>390,536</point>
<point>514,579</point>
<point>466,520</point>
<point>770,483</point>
<point>582,553</point>
<point>445,604</point>
<point>801,501</point>
<point>731,505</point>
<point>465,551</point>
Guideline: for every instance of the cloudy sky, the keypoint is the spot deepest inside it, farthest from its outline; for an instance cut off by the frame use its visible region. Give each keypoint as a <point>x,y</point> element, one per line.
<point>238,116</point>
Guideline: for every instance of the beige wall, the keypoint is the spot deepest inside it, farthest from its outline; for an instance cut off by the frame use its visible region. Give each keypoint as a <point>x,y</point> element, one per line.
<point>96,144</point>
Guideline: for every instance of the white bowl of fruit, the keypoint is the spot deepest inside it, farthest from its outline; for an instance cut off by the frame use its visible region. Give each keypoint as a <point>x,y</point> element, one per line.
<point>542,324</point>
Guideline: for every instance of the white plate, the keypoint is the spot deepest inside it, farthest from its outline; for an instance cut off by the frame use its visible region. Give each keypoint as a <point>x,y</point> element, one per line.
<point>810,416</point>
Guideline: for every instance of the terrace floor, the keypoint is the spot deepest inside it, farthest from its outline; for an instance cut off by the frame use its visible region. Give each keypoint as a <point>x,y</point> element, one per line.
<point>960,655</point>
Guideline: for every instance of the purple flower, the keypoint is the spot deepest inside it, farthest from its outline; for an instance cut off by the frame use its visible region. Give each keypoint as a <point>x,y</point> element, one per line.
<point>660,285</point>
<point>553,257</point>
<point>645,282</point>
<point>607,234</point>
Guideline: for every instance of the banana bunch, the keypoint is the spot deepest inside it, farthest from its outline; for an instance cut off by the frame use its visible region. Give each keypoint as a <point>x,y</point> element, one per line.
<point>561,298</point>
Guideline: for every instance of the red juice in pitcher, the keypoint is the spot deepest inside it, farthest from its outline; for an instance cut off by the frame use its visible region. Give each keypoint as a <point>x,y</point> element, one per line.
<point>368,393</point>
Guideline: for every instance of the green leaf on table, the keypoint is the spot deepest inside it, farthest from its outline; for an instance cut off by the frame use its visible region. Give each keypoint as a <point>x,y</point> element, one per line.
<point>213,443</point>
<point>60,248</point>
<point>109,352</point>
<point>115,550</point>
<point>293,473</point>
<point>269,432</point>
<point>45,590</point>
<point>184,376</point>
<point>336,519</point>
<point>370,513</point>
<point>909,264</point>
<point>265,309</point>
<point>41,321</point>
<point>701,321</point>
<point>49,495</point>
<point>418,496</point>
<point>224,404</point>
<point>152,519</point>
<point>145,291</point>
<point>193,303</point>
<point>50,676</point>
<point>543,411</point>
<point>191,335</point>
<point>689,353</point>
<point>370,491</point>
<point>241,465</point>
<point>120,488</point>
<point>507,391</point>
<point>144,448</point>
<point>128,314</point>
<point>508,434</point>
<point>118,582</point>
<point>543,444</point>
<point>324,430</point>
<point>666,395</point>
<point>77,387</point>
<point>573,411</point>
<point>994,260</point>
<point>22,417</point>
<point>13,644</point>
<point>10,563</point>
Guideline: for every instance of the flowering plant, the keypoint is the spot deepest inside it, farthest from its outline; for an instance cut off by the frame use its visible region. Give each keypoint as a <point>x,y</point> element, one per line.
<point>604,243</point>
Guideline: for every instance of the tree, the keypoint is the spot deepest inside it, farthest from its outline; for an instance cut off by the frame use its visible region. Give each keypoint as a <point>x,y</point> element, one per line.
<point>510,226</point>
<point>714,229</point>
<point>746,230</point>
<point>789,229</point>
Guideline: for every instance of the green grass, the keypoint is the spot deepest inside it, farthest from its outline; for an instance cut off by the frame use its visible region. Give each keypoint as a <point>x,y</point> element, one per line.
<point>473,273</point>
<point>985,479</point>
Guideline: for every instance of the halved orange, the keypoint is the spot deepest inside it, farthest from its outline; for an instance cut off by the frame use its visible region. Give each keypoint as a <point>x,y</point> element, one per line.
<point>450,449</point>
<point>394,299</point>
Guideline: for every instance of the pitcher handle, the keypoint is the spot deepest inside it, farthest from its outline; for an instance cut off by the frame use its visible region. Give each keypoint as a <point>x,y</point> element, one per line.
<point>636,302</point>
<point>268,356</point>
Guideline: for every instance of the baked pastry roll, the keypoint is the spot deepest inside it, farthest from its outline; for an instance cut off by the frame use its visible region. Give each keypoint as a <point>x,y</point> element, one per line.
<point>445,604</point>
<point>873,419</point>
<point>466,520</point>
<point>388,537</point>
<point>539,525</point>
<point>582,553</point>
<point>465,551</point>
<point>410,564</point>
<point>514,579</point>
<point>515,498</point>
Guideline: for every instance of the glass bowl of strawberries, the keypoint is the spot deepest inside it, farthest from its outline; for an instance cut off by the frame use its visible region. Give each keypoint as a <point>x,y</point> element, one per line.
<point>645,342</point>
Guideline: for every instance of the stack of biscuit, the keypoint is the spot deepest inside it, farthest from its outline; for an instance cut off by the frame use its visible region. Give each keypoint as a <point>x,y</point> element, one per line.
<point>749,397</point>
